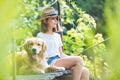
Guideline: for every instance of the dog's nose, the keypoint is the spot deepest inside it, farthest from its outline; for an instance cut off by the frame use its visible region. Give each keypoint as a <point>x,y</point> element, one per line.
<point>34,50</point>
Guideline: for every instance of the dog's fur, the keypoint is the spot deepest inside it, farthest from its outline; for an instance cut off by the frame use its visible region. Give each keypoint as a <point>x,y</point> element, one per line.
<point>32,60</point>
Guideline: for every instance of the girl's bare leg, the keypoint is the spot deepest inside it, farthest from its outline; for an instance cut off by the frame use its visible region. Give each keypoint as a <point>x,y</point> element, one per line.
<point>72,62</point>
<point>77,72</point>
<point>85,74</point>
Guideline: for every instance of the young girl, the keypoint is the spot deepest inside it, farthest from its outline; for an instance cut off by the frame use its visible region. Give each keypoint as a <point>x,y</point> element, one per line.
<point>54,51</point>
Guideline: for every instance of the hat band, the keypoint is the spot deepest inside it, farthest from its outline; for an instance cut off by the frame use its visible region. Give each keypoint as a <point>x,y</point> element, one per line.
<point>53,15</point>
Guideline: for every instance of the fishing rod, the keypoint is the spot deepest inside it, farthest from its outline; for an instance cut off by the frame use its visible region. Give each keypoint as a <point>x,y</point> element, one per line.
<point>95,45</point>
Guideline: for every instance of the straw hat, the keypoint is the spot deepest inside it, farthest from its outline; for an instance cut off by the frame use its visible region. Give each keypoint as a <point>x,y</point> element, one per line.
<point>48,12</point>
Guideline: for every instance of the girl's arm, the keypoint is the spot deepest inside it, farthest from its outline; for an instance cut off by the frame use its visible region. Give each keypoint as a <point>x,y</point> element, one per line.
<point>62,54</point>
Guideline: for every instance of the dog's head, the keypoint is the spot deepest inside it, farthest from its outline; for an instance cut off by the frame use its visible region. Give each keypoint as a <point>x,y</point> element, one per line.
<point>35,47</point>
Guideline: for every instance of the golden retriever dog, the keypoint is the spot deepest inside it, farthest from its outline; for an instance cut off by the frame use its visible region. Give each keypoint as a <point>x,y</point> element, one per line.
<point>33,60</point>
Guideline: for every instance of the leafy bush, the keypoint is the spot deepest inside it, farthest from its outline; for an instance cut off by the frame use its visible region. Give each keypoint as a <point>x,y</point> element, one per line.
<point>83,41</point>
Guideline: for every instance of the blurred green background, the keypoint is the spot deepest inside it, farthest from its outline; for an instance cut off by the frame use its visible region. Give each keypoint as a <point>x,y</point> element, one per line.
<point>8,12</point>
<point>86,23</point>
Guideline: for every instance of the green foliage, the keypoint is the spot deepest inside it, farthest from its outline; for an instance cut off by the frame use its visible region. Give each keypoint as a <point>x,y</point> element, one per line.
<point>82,38</point>
<point>27,21</point>
<point>73,43</point>
<point>112,18</point>
<point>7,14</point>
<point>96,9</point>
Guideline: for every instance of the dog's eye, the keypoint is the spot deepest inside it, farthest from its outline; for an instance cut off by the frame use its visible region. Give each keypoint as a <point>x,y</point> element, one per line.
<point>31,44</point>
<point>38,44</point>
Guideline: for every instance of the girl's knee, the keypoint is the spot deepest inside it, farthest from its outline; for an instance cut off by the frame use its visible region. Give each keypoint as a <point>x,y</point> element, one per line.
<point>79,60</point>
<point>85,70</point>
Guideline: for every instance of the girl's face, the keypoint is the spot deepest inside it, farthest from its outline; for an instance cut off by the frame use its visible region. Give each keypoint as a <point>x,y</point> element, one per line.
<point>52,22</point>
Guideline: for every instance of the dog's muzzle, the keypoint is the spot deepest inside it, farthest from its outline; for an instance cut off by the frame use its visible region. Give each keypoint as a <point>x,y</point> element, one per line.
<point>35,52</point>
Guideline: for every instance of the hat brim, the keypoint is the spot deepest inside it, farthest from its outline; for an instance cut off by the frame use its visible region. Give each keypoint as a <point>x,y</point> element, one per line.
<point>51,15</point>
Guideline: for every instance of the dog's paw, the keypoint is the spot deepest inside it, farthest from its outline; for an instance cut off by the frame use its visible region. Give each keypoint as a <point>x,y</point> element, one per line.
<point>42,72</point>
<point>54,69</point>
<point>61,69</point>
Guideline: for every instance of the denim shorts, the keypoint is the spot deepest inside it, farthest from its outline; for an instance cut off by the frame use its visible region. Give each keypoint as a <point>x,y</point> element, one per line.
<point>52,60</point>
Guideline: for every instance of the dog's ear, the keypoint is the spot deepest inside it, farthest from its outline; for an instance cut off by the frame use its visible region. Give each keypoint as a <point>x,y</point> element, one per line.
<point>44,47</point>
<point>25,45</point>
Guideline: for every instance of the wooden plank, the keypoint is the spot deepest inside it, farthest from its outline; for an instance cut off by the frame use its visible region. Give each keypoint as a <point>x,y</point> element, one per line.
<point>46,76</point>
